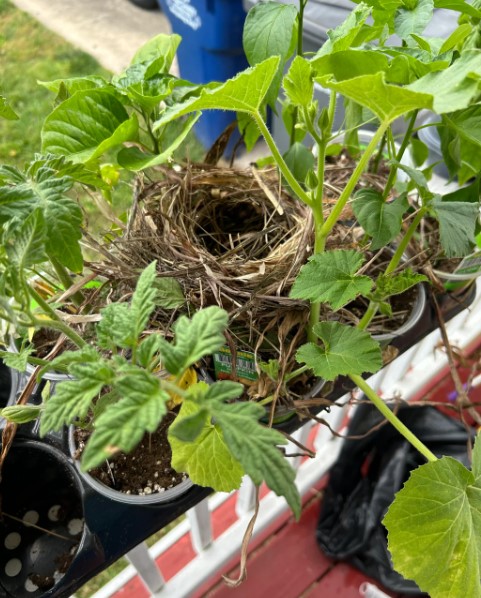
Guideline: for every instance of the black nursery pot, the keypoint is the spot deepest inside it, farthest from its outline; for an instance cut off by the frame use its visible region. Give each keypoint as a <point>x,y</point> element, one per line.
<point>42,526</point>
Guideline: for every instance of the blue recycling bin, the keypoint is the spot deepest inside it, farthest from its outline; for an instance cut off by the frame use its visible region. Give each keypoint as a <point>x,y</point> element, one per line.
<point>211,50</point>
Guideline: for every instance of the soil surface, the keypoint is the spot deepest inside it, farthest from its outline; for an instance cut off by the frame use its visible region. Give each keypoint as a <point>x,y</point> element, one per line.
<point>146,470</point>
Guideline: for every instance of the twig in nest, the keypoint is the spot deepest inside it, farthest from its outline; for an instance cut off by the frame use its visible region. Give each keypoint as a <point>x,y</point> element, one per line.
<point>234,583</point>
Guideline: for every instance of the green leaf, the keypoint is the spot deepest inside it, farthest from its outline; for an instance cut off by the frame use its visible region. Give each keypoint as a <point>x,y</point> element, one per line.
<point>343,36</point>
<point>116,327</point>
<point>87,125</point>
<point>382,220</point>
<point>455,87</point>
<point>300,160</point>
<point>243,93</point>
<point>64,88</point>
<point>132,158</point>
<point>388,285</point>
<point>6,111</point>
<point>387,101</point>
<point>169,293</point>
<point>351,63</point>
<point>255,447</point>
<point>456,38</point>
<point>413,20</point>
<point>121,426</point>
<point>459,6</point>
<point>467,123</point>
<point>73,398</point>
<point>330,277</point>
<point>21,414</point>
<point>159,50</point>
<point>457,224</point>
<point>298,82</point>
<point>207,460</point>
<point>147,350</point>
<point>270,30</point>
<point>17,361</point>
<point>143,300</point>
<point>25,244</point>
<point>195,338</point>
<point>434,528</point>
<point>345,350</point>
<point>62,216</point>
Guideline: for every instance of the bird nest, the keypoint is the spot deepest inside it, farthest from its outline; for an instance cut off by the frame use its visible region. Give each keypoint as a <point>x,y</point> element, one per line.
<point>231,238</point>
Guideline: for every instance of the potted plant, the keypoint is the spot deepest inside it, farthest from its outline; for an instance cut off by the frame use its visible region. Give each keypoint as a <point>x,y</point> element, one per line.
<point>379,83</point>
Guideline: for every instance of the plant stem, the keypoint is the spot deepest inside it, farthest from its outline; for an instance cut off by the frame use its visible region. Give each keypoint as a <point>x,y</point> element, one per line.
<point>66,280</point>
<point>392,418</point>
<point>401,248</point>
<point>405,142</point>
<point>368,315</point>
<point>63,328</point>
<point>351,184</point>
<point>285,171</point>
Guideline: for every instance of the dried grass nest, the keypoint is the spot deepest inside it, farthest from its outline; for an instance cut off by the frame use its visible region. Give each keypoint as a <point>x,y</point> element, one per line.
<point>232,238</point>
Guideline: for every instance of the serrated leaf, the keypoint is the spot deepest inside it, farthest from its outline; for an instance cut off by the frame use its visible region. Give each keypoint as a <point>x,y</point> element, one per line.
<point>159,50</point>
<point>116,327</point>
<point>21,414</point>
<point>121,426</point>
<point>457,224</point>
<point>6,111</point>
<point>330,277</point>
<point>343,36</point>
<point>207,460</point>
<point>64,88</point>
<point>388,285</point>
<point>169,293</point>
<point>147,349</point>
<point>72,399</point>
<point>298,82</point>
<point>17,361</point>
<point>25,244</point>
<point>382,220</point>
<point>467,123</point>
<point>195,338</point>
<point>347,64</point>
<point>243,93</point>
<point>256,448</point>
<point>143,300</point>
<point>345,350</point>
<point>434,528</point>
<point>87,125</point>
<point>62,216</point>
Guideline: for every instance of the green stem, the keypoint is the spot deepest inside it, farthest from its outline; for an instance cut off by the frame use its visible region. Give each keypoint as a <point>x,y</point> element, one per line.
<point>392,418</point>
<point>66,280</point>
<point>401,248</point>
<point>405,142</point>
<point>63,328</point>
<point>351,184</point>
<point>285,171</point>
<point>368,316</point>
<point>47,309</point>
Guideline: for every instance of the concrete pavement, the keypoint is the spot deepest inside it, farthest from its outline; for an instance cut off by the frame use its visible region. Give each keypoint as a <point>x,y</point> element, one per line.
<point>110,30</point>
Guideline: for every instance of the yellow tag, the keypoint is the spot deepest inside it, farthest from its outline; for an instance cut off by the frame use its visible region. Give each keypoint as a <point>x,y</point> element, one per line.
<point>188,379</point>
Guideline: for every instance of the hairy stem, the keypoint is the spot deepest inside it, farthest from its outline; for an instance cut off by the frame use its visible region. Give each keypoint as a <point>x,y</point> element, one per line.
<point>393,419</point>
<point>66,280</point>
<point>405,142</point>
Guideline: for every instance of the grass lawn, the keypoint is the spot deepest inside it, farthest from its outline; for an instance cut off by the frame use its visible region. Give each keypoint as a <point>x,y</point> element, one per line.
<point>29,53</point>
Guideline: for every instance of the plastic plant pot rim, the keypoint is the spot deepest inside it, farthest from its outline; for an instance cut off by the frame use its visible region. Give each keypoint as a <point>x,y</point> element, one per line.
<point>167,495</point>
<point>455,277</point>
<point>414,318</point>
<point>50,376</point>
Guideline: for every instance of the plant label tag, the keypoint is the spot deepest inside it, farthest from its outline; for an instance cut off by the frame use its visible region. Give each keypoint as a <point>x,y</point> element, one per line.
<point>245,365</point>
<point>471,264</point>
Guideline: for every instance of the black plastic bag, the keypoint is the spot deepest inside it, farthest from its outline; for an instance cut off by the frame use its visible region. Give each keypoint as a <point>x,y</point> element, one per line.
<point>365,478</point>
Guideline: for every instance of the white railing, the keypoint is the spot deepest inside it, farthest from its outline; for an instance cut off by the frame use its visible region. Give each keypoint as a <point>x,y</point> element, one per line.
<point>406,377</point>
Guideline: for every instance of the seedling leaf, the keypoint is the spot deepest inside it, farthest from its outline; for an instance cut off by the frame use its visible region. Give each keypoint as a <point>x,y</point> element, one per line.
<point>344,350</point>
<point>457,224</point>
<point>330,277</point>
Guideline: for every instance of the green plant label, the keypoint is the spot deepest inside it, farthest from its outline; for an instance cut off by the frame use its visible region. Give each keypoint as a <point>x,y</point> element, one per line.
<point>471,264</point>
<point>245,365</point>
